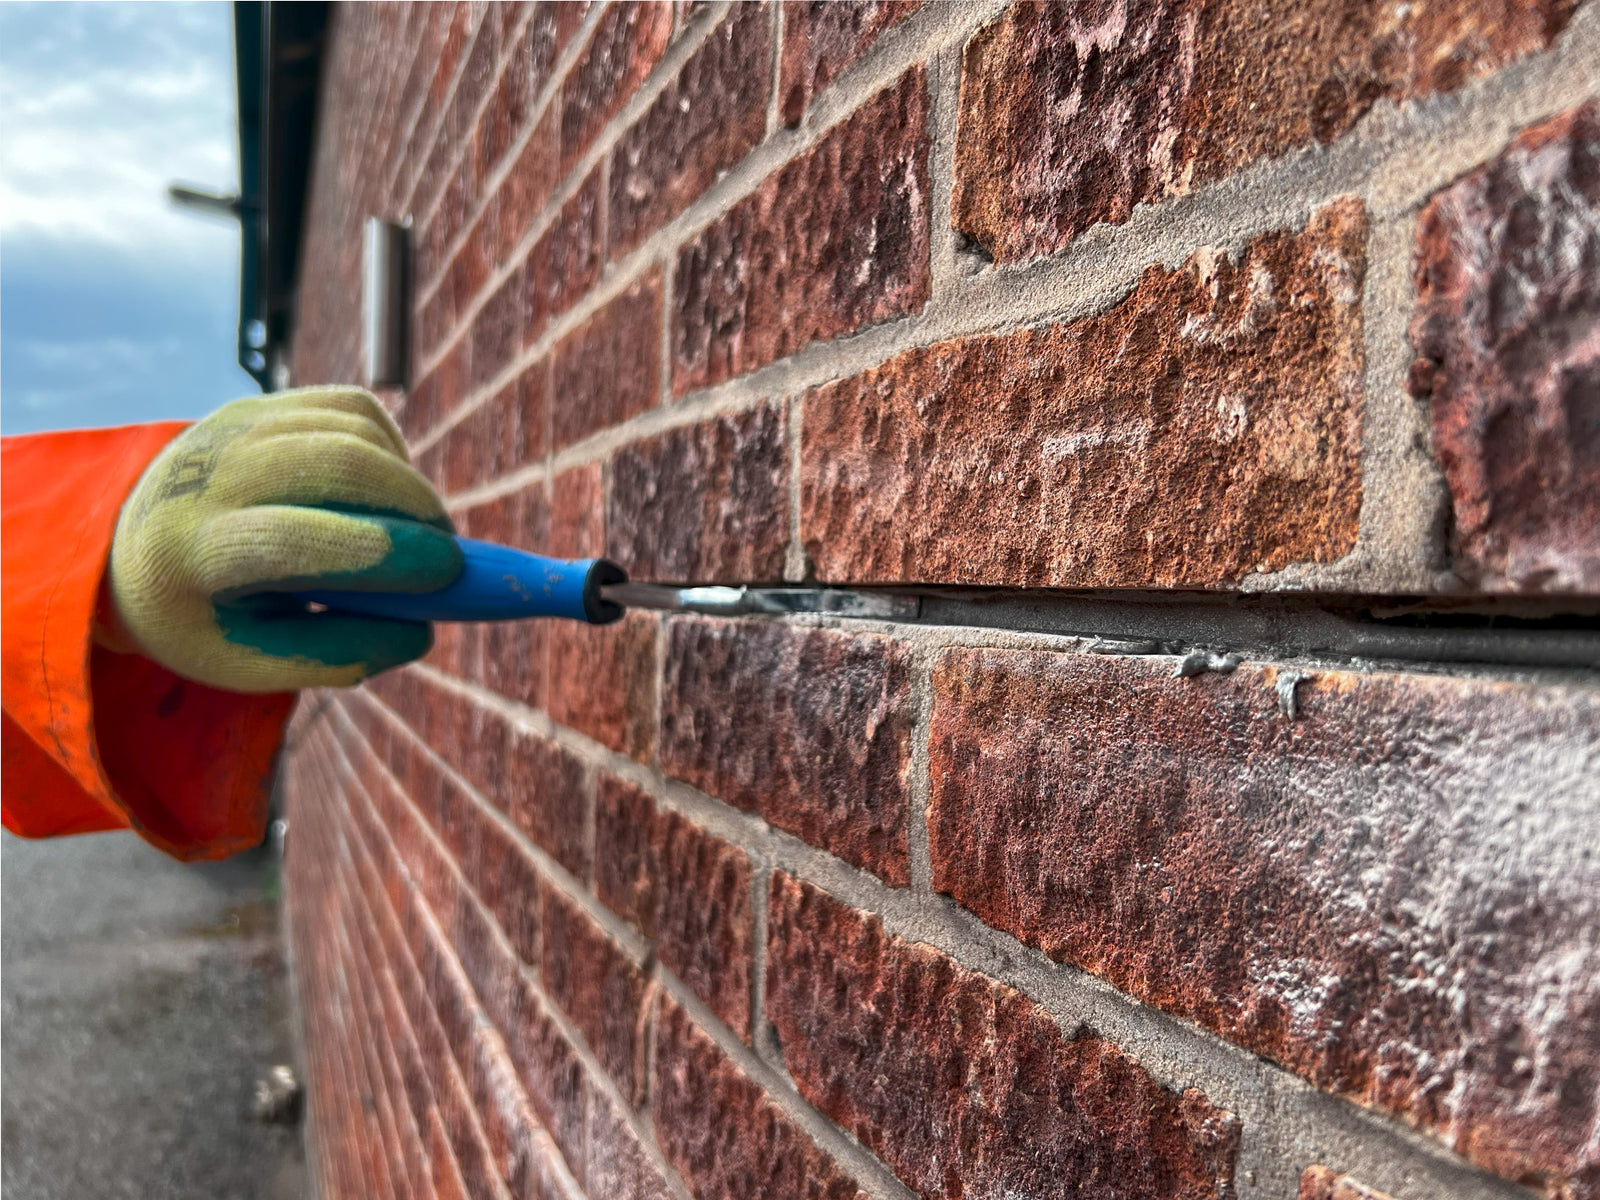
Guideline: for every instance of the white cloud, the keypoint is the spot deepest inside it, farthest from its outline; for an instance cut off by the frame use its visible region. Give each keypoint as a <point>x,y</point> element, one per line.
<point>101,106</point>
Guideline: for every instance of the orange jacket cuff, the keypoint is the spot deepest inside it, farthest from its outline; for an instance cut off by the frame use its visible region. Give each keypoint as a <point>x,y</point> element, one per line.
<point>94,740</point>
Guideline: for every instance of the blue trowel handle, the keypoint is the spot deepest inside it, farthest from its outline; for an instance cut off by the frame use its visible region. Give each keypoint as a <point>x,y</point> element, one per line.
<point>497,584</point>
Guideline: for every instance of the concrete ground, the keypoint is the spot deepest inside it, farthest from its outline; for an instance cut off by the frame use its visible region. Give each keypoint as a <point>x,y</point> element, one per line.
<point>142,999</point>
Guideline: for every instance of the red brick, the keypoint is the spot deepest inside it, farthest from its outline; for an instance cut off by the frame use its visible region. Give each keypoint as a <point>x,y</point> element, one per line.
<point>503,435</point>
<point>1071,115</point>
<point>492,972</point>
<point>955,1080</point>
<point>510,1127</point>
<point>1350,893</point>
<point>699,1097</point>
<point>602,681</point>
<point>578,513</point>
<point>501,519</point>
<point>609,369</point>
<point>454,138</point>
<point>565,262</point>
<point>1319,1183</point>
<point>446,1177</point>
<point>508,882</point>
<point>549,1068</point>
<point>528,186</point>
<point>619,1167</point>
<point>1507,333</point>
<point>497,329</point>
<point>1206,427</point>
<point>547,797</point>
<point>464,454</point>
<point>821,39</point>
<point>808,728</point>
<point>508,108</point>
<point>514,659</point>
<point>598,986</point>
<point>687,891</point>
<point>467,273</point>
<point>833,242</point>
<point>708,117</point>
<point>421,412</point>
<point>704,503</point>
<point>626,44</point>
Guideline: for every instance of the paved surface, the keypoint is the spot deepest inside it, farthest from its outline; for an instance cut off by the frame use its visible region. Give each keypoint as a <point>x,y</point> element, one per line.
<point>142,999</point>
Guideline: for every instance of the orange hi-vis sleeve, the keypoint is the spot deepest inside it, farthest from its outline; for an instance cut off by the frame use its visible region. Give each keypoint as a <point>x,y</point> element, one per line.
<point>94,740</point>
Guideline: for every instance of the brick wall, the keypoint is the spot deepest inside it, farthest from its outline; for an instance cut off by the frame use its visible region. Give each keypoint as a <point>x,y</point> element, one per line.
<point>1143,338</point>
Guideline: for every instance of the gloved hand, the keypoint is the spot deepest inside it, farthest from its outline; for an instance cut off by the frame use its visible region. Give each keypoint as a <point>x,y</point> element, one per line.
<point>301,489</point>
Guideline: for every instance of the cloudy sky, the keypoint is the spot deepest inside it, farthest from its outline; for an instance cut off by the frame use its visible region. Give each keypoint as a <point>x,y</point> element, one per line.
<point>114,306</point>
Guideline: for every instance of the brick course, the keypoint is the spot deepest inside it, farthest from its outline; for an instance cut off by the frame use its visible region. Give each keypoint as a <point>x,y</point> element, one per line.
<point>1205,427</point>
<point>1167,95</point>
<point>950,1076</point>
<point>1127,336</point>
<point>1507,332</point>
<point>1321,890</point>
<point>835,241</point>
<point>757,717</point>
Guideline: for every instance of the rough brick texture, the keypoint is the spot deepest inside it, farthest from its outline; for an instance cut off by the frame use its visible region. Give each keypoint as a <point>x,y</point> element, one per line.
<point>1122,335</point>
<point>704,502</point>
<point>951,1076</point>
<point>610,369</point>
<point>1326,891</point>
<point>685,890</point>
<point>705,121</point>
<point>1158,97</point>
<point>821,39</point>
<point>808,729</point>
<point>1507,332</point>
<point>836,240</point>
<point>702,1098</point>
<point>1206,427</point>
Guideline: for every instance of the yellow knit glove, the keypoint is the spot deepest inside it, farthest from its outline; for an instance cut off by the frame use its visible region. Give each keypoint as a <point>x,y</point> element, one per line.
<point>302,489</point>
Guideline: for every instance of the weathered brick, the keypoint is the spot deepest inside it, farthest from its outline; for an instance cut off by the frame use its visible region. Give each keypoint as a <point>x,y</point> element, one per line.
<point>578,513</point>
<point>834,241</point>
<point>506,879</point>
<point>687,891</point>
<point>955,1080</point>
<point>1320,1183</point>
<point>565,261</point>
<point>1507,333</point>
<point>721,1132</point>
<point>509,105</point>
<point>609,369</point>
<point>706,502</point>
<point>450,383</point>
<point>1385,893</point>
<point>508,432</point>
<point>618,1166</point>
<point>549,1068</point>
<point>821,39</point>
<point>625,46</point>
<point>504,434</point>
<point>512,660</point>
<point>598,986</point>
<point>497,329</point>
<point>527,187</point>
<point>708,117</point>
<point>545,793</point>
<point>602,681</point>
<point>1206,427</point>
<point>808,728</point>
<point>1074,114</point>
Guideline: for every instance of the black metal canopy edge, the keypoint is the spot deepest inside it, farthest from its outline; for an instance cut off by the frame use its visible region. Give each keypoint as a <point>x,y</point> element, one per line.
<point>278,49</point>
